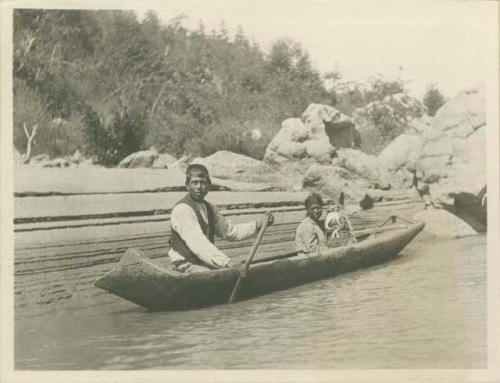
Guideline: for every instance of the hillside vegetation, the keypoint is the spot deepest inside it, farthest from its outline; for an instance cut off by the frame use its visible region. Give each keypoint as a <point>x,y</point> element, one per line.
<point>108,84</point>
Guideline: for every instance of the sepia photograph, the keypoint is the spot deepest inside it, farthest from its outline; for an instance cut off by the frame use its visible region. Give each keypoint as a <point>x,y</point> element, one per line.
<point>250,191</point>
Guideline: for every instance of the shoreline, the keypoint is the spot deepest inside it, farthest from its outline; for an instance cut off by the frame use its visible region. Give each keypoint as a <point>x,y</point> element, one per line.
<point>56,271</point>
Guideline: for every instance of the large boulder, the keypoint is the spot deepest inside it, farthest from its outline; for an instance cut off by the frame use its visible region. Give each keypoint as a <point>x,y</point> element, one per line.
<point>400,152</point>
<point>237,167</point>
<point>60,162</point>
<point>454,158</point>
<point>448,152</point>
<point>77,158</point>
<point>463,114</point>
<point>320,150</point>
<point>181,164</point>
<point>319,175</point>
<point>163,161</point>
<point>296,141</point>
<point>328,124</point>
<point>39,160</point>
<point>141,159</point>
<point>288,144</point>
<point>315,136</point>
<point>364,166</point>
<point>333,181</point>
<point>398,156</point>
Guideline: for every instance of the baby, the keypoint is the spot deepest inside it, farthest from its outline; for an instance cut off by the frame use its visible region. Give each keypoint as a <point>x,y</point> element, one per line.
<point>332,221</point>
<point>338,228</point>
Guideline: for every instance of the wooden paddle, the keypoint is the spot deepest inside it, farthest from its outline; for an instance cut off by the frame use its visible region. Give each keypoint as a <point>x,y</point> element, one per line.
<point>247,263</point>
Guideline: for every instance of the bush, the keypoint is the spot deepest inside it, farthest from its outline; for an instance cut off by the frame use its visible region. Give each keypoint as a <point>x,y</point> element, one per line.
<point>235,137</point>
<point>433,100</point>
<point>55,136</point>
<point>112,138</point>
<point>380,122</point>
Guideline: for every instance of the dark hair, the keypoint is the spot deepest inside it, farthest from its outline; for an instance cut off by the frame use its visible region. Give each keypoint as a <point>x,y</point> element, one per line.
<point>313,198</point>
<point>199,169</point>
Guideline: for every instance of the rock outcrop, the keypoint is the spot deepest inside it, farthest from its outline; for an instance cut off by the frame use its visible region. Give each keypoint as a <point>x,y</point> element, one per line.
<point>77,159</point>
<point>453,156</point>
<point>364,166</point>
<point>141,159</point>
<point>314,137</point>
<point>400,154</point>
<point>326,122</point>
<point>181,164</point>
<point>289,144</point>
<point>447,152</point>
<point>237,167</point>
<point>163,161</point>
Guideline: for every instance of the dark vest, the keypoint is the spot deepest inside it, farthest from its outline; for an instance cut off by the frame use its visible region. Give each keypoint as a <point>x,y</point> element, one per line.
<point>178,244</point>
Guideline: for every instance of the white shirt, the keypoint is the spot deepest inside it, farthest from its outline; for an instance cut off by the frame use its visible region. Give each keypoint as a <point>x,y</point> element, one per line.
<point>185,223</point>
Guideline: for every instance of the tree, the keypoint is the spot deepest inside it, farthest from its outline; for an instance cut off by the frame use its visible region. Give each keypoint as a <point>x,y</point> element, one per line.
<point>240,38</point>
<point>30,136</point>
<point>110,138</point>
<point>433,100</point>
<point>108,84</point>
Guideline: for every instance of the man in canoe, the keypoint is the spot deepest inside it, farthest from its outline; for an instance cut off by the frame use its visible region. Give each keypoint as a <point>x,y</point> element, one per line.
<point>310,236</point>
<point>195,223</point>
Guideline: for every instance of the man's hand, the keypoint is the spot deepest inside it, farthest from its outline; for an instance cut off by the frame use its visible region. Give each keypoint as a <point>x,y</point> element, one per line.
<point>268,216</point>
<point>219,260</point>
<point>239,267</point>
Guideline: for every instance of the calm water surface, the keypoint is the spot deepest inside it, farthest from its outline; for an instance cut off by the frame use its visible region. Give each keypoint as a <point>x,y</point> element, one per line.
<point>427,309</point>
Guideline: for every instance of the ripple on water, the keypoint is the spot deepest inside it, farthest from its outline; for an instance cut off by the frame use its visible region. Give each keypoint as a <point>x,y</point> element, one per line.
<point>426,309</point>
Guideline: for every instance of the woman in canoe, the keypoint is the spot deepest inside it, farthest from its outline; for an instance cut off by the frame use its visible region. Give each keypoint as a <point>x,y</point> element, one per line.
<point>310,236</point>
<point>195,223</point>
<point>314,234</point>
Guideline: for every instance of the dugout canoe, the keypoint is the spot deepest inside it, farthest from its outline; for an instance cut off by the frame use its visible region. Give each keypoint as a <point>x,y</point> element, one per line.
<point>140,280</point>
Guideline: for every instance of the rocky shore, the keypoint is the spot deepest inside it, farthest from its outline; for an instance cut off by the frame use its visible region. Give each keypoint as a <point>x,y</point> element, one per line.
<point>74,219</point>
<point>324,150</point>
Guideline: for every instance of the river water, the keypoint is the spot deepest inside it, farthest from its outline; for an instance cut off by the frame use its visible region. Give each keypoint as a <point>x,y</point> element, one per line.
<point>426,309</point>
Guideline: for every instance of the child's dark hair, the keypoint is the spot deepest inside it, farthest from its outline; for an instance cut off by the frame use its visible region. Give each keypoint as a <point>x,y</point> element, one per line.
<point>313,198</point>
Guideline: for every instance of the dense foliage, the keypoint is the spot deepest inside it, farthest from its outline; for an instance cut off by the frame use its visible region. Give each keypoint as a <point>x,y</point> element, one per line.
<point>107,83</point>
<point>382,109</point>
<point>110,84</point>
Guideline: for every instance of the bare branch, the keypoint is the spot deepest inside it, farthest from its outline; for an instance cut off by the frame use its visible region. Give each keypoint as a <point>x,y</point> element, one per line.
<point>30,137</point>
<point>29,46</point>
<point>160,93</point>
<point>53,53</point>
<point>26,130</point>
